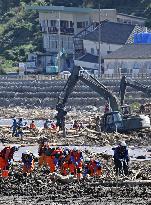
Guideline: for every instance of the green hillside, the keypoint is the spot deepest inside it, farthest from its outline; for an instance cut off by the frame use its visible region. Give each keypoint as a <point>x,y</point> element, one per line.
<point>20,32</point>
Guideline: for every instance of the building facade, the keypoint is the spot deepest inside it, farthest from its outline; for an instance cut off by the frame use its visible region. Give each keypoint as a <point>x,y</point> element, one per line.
<point>130,19</point>
<point>130,59</point>
<point>60,24</point>
<point>113,35</point>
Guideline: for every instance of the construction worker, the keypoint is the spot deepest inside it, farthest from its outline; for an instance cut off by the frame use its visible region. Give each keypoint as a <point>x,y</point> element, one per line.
<point>6,157</point>
<point>77,160</point>
<point>121,159</point>
<point>43,146</point>
<point>32,125</point>
<point>28,162</point>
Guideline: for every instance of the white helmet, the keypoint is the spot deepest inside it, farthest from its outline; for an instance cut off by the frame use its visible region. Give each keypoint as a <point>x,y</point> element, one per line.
<point>123,144</point>
<point>27,152</point>
<point>75,149</point>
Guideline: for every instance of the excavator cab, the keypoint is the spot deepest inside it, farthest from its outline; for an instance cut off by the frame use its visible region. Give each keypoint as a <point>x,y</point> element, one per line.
<point>126,110</point>
<point>112,122</point>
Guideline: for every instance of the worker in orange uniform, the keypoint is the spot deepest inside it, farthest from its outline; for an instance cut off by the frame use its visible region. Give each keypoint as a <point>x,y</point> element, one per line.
<point>50,159</point>
<point>6,157</point>
<point>95,167</point>
<point>28,162</point>
<point>32,125</point>
<point>65,170</point>
<point>65,165</point>
<point>77,161</point>
<point>43,146</point>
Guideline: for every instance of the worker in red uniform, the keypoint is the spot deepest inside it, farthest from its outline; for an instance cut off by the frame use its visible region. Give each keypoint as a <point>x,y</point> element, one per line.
<point>32,125</point>
<point>77,160</point>
<point>6,157</point>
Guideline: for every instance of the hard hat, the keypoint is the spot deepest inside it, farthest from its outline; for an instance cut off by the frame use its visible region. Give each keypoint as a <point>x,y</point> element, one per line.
<point>27,152</point>
<point>16,147</point>
<point>67,152</point>
<point>75,149</point>
<point>123,144</point>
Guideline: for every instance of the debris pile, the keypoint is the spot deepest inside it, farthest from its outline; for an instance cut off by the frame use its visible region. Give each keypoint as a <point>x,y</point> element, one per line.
<point>45,187</point>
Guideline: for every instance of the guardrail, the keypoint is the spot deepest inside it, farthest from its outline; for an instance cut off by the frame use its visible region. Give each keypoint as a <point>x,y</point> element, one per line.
<point>143,76</point>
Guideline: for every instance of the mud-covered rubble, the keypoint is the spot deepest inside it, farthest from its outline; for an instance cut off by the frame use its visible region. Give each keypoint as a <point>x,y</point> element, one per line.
<point>45,187</point>
<point>83,137</point>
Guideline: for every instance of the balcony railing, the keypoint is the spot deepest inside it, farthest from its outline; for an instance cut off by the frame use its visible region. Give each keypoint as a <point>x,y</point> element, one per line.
<point>54,30</point>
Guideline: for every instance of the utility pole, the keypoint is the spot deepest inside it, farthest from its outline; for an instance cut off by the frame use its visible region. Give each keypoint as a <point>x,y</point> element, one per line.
<point>100,64</point>
<point>59,45</point>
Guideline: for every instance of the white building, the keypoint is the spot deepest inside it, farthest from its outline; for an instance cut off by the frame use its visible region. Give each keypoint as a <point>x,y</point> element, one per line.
<point>130,59</point>
<point>59,24</point>
<point>113,36</point>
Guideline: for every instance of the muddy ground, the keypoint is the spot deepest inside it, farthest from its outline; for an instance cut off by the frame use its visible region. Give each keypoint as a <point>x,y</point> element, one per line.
<point>44,188</point>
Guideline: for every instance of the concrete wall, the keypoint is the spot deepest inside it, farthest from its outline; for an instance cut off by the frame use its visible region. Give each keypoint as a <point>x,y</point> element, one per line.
<point>51,43</point>
<point>109,14</point>
<point>86,64</point>
<point>130,19</point>
<point>133,66</point>
<point>105,47</point>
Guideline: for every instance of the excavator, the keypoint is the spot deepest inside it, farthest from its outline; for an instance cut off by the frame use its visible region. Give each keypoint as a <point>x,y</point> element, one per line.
<point>133,84</point>
<point>112,121</point>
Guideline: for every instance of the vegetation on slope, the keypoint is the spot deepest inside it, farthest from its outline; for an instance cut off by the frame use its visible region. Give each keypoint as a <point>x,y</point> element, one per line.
<point>20,31</point>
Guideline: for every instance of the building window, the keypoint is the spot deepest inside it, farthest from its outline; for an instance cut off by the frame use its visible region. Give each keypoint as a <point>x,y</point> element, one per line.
<point>124,70</point>
<point>64,24</point>
<point>71,24</point>
<point>53,23</point>
<point>82,24</point>
<point>79,25</point>
<point>92,51</point>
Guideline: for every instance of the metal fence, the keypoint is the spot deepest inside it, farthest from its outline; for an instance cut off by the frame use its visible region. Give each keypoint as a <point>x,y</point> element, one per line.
<point>143,76</point>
